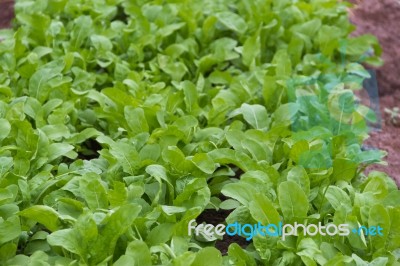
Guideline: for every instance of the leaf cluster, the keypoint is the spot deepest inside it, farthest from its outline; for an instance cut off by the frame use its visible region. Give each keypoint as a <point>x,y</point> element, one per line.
<point>121,121</point>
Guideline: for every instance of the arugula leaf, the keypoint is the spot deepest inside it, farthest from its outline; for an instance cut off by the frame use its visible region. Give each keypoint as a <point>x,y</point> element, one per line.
<point>293,201</point>
<point>44,215</point>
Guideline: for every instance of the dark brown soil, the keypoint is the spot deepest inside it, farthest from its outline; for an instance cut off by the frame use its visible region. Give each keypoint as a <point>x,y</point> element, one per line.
<point>218,217</point>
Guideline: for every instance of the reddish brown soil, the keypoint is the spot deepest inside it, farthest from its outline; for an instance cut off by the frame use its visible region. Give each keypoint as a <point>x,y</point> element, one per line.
<point>382,19</point>
<point>388,139</point>
<point>6,13</point>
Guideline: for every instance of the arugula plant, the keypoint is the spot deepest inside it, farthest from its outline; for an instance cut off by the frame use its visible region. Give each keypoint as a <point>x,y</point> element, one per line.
<point>121,121</point>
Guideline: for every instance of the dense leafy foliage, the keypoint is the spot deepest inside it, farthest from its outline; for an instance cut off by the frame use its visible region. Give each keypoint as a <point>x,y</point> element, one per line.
<point>121,121</point>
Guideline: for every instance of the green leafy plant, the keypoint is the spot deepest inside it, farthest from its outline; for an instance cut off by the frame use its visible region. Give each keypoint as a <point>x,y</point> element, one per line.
<point>121,121</point>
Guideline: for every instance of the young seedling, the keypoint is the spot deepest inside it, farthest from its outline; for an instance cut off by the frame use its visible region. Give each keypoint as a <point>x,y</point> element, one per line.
<point>394,115</point>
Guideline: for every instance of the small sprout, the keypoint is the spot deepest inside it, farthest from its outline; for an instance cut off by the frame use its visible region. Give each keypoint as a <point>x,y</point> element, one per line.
<point>394,116</point>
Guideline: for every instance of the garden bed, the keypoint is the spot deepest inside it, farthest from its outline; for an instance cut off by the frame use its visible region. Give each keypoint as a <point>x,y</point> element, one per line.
<point>123,123</point>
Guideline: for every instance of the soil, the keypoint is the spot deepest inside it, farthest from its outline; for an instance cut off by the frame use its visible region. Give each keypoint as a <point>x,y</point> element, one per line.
<point>382,19</point>
<point>388,138</point>
<point>218,217</point>
<point>6,13</point>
